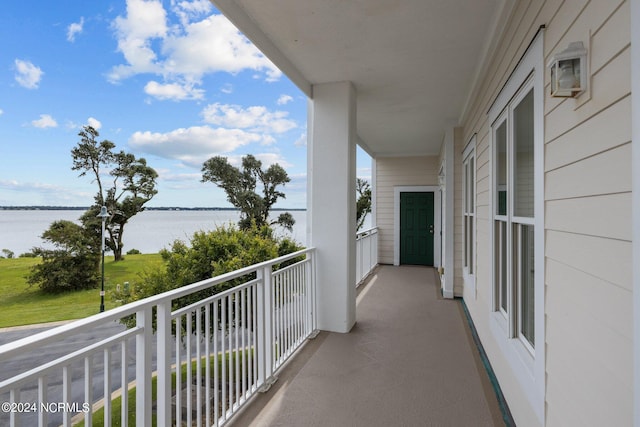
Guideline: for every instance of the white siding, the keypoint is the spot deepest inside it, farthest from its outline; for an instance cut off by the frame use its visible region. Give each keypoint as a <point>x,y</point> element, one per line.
<point>587,216</point>
<point>392,172</point>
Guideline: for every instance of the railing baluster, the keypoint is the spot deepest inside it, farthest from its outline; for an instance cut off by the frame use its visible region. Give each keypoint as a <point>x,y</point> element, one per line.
<point>107,388</point>
<point>216,370</point>
<point>164,338</point>
<point>230,352</point>
<point>143,368</point>
<point>300,316</point>
<point>88,388</point>
<point>254,328</point>
<point>124,354</point>
<point>198,368</point>
<point>189,379</point>
<point>243,302</point>
<point>223,345</point>
<point>207,351</point>
<point>42,399</point>
<point>66,393</point>
<point>288,321</point>
<point>178,371</point>
<point>14,397</point>
<point>236,331</point>
<point>275,314</point>
<point>314,318</point>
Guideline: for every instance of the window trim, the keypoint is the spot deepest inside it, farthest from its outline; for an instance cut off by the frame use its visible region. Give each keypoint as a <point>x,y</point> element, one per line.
<point>527,364</point>
<point>469,276</point>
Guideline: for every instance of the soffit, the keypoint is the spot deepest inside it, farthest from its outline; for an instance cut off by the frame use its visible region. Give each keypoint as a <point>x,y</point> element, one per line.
<point>412,62</point>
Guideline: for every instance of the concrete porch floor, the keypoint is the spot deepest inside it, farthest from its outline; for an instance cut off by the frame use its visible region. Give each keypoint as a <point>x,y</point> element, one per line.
<point>410,360</point>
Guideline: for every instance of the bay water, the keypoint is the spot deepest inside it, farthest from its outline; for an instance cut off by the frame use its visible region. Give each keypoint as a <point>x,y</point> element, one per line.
<point>148,232</point>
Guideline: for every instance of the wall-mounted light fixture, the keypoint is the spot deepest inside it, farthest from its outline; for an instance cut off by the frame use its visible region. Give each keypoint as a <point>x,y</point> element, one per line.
<point>569,71</point>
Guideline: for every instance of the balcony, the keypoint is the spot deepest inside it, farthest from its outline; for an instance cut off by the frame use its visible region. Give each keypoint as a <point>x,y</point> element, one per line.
<point>188,357</point>
<point>409,361</point>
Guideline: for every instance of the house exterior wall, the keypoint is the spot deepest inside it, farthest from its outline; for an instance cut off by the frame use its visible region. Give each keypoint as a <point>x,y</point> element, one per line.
<point>587,204</point>
<point>393,172</point>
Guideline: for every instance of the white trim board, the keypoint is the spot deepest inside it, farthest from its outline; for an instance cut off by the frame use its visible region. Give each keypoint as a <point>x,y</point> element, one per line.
<point>469,280</point>
<point>396,219</point>
<point>635,137</point>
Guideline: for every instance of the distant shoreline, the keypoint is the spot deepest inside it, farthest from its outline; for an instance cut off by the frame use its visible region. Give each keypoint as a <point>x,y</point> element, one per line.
<point>167,208</point>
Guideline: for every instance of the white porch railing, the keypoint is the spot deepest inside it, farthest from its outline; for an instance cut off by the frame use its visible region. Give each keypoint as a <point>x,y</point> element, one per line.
<point>366,253</point>
<point>212,353</point>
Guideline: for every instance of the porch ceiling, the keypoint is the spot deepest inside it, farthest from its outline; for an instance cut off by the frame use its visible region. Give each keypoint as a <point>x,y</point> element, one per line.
<point>413,62</point>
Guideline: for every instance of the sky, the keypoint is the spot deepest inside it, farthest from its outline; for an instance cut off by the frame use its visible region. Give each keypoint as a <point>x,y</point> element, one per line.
<point>171,81</point>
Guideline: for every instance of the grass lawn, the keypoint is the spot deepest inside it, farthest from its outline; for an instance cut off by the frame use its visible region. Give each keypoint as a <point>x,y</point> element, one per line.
<point>24,305</point>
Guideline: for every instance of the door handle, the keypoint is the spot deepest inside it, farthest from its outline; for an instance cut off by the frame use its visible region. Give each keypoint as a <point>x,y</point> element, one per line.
<point>431,228</point>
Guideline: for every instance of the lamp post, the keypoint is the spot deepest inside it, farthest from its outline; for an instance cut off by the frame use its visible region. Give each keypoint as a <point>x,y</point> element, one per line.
<point>103,215</point>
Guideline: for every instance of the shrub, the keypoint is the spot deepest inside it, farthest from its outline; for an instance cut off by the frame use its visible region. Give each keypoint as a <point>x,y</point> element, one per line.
<point>72,265</point>
<point>133,252</point>
<point>209,254</point>
<point>27,255</point>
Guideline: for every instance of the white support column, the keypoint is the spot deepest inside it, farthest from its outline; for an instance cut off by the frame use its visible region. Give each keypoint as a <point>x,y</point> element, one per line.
<point>331,199</point>
<point>635,136</point>
<point>449,214</point>
<point>374,197</point>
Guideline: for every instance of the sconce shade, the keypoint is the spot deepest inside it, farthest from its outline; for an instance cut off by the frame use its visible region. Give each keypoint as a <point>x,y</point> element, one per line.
<point>103,212</point>
<point>569,71</point>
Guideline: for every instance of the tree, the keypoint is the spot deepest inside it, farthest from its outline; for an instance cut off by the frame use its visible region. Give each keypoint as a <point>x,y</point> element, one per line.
<point>240,186</point>
<point>132,185</point>
<point>363,204</point>
<point>72,264</point>
<point>8,253</point>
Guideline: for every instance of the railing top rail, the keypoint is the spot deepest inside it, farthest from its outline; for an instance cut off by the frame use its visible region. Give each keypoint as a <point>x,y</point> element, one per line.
<point>366,232</point>
<point>67,359</point>
<point>81,325</point>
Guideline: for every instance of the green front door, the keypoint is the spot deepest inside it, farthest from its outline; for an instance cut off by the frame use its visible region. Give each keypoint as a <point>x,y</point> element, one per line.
<point>416,228</point>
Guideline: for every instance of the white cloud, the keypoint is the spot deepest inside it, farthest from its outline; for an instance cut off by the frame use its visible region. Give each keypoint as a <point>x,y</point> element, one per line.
<point>74,29</point>
<point>1,112</point>
<point>145,21</point>
<point>255,118</point>
<point>227,88</point>
<point>27,74</point>
<point>284,99</point>
<point>211,45</point>
<point>190,10</point>
<point>94,123</point>
<point>301,141</point>
<point>269,159</point>
<point>170,176</point>
<point>42,188</point>
<point>45,121</point>
<point>173,91</point>
<point>192,145</point>
<point>186,51</point>
<point>364,173</point>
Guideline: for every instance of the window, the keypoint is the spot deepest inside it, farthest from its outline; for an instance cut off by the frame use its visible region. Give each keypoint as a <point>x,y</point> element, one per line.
<point>516,214</point>
<point>514,220</point>
<point>469,212</point>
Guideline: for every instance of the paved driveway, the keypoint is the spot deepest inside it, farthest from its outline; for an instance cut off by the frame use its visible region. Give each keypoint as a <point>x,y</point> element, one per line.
<point>52,351</point>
